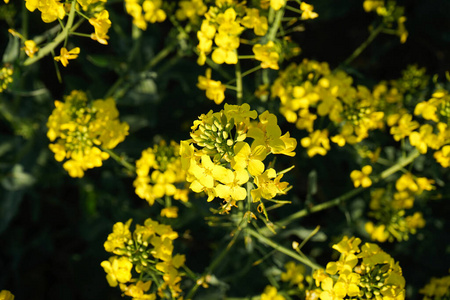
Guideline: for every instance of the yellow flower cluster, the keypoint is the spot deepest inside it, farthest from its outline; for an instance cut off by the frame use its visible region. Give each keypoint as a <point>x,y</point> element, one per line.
<point>294,275</point>
<point>6,73</point>
<point>224,24</point>
<point>360,273</point>
<point>219,159</point>
<point>310,89</point>
<point>437,111</point>
<point>361,178</point>
<point>149,249</point>
<point>437,289</point>
<point>6,295</point>
<point>81,129</point>
<point>391,13</point>
<point>147,11</point>
<point>50,9</point>
<point>159,172</point>
<point>389,209</point>
<point>191,9</point>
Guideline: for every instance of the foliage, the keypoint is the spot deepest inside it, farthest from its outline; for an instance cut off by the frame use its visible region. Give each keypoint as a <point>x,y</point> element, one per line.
<point>248,140</point>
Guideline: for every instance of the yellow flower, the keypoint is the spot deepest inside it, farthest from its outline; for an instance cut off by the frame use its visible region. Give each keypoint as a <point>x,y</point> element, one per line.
<point>317,143</point>
<point>50,9</point>
<point>66,55</point>
<point>277,4</point>
<point>361,178</point>
<point>118,238</point>
<point>232,189</point>
<point>404,127</point>
<point>30,48</point>
<point>170,212</point>
<point>267,54</point>
<point>117,270</point>
<point>255,21</point>
<point>271,293</point>
<point>101,25</point>
<point>5,294</point>
<point>308,11</point>
<point>269,185</point>
<point>190,9</point>
<point>249,158</point>
<point>215,90</point>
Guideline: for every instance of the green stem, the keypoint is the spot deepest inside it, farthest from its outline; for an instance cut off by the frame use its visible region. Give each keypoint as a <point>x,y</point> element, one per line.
<point>120,160</point>
<point>294,9</point>
<point>153,62</point>
<point>58,39</point>
<point>248,72</point>
<point>213,265</point>
<point>364,45</point>
<point>238,83</point>
<point>336,201</point>
<point>284,250</point>
<point>276,25</point>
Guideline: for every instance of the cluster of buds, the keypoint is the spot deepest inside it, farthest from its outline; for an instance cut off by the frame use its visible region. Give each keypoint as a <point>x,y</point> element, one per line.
<point>149,249</point>
<point>360,273</point>
<point>220,157</point>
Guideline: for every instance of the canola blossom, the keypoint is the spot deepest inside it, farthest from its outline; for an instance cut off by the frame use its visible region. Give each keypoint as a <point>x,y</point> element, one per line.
<point>81,130</point>
<point>144,265</point>
<point>365,272</point>
<point>159,174</point>
<point>228,149</point>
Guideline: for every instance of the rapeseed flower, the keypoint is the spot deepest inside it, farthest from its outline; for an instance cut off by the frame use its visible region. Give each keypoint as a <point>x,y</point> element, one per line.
<point>66,55</point>
<point>80,128</point>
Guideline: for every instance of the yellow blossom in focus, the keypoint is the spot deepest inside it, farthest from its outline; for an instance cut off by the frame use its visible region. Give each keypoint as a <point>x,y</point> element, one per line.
<point>117,270</point>
<point>50,9</point>
<point>101,25</point>
<point>66,55</point>
<point>78,128</point>
<point>361,178</point>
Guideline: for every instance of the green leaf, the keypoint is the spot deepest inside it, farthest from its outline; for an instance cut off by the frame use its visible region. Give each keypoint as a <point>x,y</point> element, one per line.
<point>12,50</point>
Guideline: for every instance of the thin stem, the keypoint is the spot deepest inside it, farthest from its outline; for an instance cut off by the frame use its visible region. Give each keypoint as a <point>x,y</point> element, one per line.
<point>364,45</point>
<point>58,39</point>
<point>213,265</point>
<point>294,9</point>
<point>248,72</point>
<point>120,160</point>
<point>284,250</point>
<point>238,83</point>
<point>336,201</point>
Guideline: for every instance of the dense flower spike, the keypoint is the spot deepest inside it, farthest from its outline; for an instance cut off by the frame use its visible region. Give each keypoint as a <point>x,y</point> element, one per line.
<point>389,209</point>
<point>149,252</point>
<point>310,90</point>
<point>81,130</point>
<point>147,11</point>
<point>219,158</point>
<point>6,73</point>
<point>159,174</point>
<point>360,273</point>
